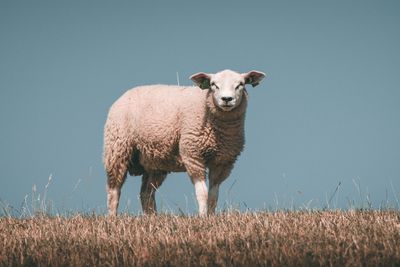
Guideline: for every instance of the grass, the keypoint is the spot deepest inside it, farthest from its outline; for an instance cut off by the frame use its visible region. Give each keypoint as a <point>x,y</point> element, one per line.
<point>36,235</point>
<point>303,238</point>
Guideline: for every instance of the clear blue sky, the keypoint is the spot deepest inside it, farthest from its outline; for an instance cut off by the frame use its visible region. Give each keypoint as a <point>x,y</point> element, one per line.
<point>328,111</point>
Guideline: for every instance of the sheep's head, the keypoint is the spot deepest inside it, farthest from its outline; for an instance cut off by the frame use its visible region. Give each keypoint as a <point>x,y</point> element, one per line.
<point>227,86</point>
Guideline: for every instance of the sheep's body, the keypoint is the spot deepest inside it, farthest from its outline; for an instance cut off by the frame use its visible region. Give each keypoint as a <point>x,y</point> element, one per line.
<point>154,130</point>
<point>156,122</point>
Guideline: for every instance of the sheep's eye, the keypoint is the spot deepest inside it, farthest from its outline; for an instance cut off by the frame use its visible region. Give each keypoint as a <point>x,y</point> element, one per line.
<point>240,85</point>
<point>214,86</point>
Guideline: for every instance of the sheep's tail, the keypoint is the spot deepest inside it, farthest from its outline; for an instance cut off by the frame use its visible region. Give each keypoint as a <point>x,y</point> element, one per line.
<point>117,154</point>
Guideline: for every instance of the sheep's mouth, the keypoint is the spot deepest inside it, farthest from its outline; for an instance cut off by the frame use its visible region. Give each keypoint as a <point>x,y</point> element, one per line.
<point>227,107</point>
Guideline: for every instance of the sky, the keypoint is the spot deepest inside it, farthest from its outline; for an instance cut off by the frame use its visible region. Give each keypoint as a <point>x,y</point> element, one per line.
<point>322,129</point>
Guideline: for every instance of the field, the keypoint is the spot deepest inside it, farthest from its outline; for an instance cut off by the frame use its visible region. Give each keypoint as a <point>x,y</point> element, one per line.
<point>303,238</point>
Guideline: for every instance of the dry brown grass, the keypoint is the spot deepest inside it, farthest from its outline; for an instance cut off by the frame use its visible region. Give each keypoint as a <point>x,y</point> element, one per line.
<point>229,239</point>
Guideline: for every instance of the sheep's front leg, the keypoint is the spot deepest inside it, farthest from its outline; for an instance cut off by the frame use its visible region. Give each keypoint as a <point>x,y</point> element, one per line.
<point>196,169</point>
<point>213,198</point>
<point>218,173</point>
<point>200,187</point>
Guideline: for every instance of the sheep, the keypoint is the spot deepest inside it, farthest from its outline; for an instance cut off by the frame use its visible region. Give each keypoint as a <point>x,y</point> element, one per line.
<point>157,129</point>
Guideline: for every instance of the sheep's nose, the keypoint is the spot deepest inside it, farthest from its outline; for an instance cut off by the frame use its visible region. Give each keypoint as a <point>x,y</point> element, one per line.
<point>227,98</point>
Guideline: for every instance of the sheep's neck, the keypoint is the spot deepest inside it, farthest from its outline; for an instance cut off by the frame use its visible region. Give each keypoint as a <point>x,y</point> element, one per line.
<point>223,132</point>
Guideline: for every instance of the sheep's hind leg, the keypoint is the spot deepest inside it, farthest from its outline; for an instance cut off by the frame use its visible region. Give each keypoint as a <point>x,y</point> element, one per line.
<point>113,195</point>
<point>116,179</point>
<point>116,161</point>
<point>151,181</point>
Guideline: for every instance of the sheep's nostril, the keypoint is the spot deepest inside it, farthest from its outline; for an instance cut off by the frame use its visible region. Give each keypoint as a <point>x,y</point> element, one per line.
<point>227,99</point>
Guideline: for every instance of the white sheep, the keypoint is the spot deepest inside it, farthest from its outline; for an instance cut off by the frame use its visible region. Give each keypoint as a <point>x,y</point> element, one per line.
<point>158,129</point>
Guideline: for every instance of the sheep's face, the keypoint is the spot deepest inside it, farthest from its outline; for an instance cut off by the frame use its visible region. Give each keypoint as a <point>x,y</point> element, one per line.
<point>227,86</point>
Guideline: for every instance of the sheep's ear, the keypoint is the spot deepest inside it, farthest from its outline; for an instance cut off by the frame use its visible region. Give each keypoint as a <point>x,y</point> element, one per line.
<point>253,77</point>
<point>201,79</point>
